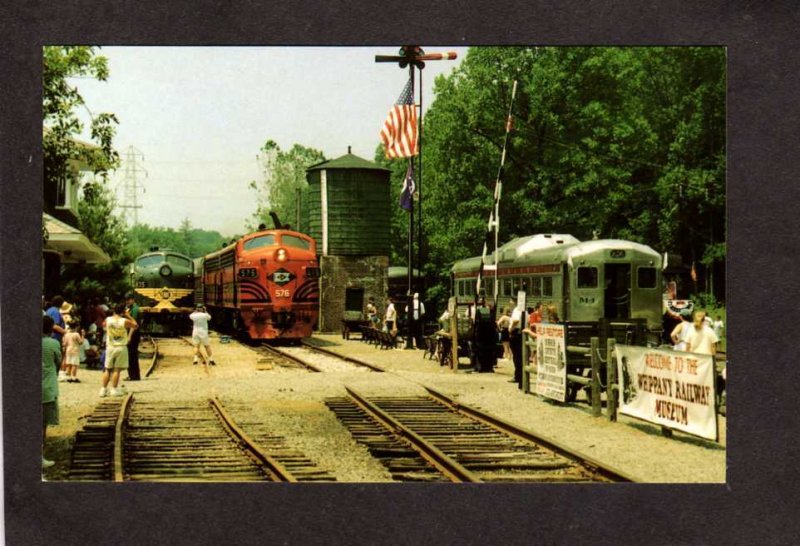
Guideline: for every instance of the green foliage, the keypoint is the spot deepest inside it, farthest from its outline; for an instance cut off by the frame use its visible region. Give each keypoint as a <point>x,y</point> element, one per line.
<point>99,223</point>
<point>60,101</point>
<point>284,174</point>
<point>64,155</point>
<point>629,142</point>
<point>187,240</point>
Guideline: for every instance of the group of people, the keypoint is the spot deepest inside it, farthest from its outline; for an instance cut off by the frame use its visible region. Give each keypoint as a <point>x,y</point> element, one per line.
<point>62,342</point>
<point>390,318</point>
<point>67,343</point>
<point>697,333</point>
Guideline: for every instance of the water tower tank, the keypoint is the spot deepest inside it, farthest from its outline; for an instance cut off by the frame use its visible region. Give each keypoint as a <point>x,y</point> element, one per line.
<point>348,207</point>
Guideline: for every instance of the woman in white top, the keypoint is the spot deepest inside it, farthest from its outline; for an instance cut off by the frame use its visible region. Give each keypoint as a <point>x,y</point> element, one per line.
<point>681,333</point>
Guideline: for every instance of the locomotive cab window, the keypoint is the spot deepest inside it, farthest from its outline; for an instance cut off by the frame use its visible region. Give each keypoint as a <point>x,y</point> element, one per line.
<point>179,261</point>
<point>294,242</point>
<point>646,277</point>
<point>258,242</point>
<point>587,277</point>
<point>149,261</point>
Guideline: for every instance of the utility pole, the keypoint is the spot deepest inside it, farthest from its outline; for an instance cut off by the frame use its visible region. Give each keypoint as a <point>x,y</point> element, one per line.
<point>130,186</point>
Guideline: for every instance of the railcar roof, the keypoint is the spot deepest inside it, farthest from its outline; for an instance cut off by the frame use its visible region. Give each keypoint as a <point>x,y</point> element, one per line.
<point>589,247</point>
<point>551,248</point>
<point>519,248</point>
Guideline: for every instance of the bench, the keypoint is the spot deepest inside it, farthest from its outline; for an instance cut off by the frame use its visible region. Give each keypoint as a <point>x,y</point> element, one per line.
<point>374,336</point>
<point>354,326</point>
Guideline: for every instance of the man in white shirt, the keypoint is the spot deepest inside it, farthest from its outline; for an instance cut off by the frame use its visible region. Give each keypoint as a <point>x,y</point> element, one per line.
<point>419,312</point>
<point>515,340</point>
<point>200,318</point>
<point>390,318</point>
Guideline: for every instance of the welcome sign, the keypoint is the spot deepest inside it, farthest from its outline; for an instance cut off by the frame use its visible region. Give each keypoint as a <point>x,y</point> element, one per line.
<point>670,388</point>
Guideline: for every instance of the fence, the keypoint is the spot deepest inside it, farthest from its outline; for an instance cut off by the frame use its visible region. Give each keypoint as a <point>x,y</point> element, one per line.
<point>590,350</point>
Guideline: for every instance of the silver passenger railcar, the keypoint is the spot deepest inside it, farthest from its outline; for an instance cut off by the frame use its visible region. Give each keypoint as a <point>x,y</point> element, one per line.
<point>587,281</point>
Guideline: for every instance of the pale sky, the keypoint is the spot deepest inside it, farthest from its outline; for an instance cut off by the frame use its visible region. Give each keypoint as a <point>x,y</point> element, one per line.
<point>199,115</point>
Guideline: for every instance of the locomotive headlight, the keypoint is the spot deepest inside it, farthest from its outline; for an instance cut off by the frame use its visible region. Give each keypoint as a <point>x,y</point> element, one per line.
<point>281,255</point>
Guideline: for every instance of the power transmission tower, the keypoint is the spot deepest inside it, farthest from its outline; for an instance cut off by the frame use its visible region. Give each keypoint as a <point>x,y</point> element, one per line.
<point>130,186</point>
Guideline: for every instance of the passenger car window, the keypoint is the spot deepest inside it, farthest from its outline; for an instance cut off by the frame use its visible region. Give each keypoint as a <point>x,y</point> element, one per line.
<point>646,277</point>
<point>547,286</point>
<point>587,277</point>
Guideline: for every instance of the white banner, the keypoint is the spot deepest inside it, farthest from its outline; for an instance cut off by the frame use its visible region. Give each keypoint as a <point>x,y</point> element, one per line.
<point>669,388</point>
<point>551,362</point>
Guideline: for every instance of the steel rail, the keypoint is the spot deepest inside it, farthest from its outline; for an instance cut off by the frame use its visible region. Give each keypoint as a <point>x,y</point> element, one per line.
<point>272,465</point>
<point>454,471</point>
<point>500,424</point>
<point>122,418</point>
<point>350,359</point>
<point>293,358</point>
<point>151,368</point>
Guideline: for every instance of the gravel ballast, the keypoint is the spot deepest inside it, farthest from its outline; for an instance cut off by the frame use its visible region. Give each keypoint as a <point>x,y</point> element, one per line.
<point>290,401</point>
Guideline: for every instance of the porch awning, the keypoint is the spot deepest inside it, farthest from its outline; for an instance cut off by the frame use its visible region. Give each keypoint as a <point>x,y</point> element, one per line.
<point>72,245</point>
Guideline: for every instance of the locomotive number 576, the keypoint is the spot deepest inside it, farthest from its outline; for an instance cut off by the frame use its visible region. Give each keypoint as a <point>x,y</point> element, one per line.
<point>282,293</point>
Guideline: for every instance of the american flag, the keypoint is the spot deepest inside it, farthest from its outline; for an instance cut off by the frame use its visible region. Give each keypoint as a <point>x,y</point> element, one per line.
<point>399,132</point>
<point>407,195</point>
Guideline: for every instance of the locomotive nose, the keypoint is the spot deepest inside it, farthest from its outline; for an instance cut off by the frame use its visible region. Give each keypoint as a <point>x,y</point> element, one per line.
<point>283,319</point>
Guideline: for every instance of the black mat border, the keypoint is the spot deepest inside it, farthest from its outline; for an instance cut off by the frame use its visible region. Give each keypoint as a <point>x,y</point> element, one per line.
<point>762,195</point>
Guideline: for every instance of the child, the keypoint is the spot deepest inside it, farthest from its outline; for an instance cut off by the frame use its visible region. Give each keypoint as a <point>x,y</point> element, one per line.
<point>72,349</point>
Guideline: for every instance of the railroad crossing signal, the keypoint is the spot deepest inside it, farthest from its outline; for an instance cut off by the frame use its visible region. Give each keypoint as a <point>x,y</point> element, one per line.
<point>415,56</point>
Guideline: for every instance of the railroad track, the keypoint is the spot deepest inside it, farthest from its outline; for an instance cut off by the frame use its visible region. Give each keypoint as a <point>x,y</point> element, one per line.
<point>356,361</point>
<point>152,355</point>
<point>431,438</point>
<point>127,440</point>
<point>323,361</point>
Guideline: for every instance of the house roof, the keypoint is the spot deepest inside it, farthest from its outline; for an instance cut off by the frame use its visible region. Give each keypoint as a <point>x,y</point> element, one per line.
<point>71,244</point>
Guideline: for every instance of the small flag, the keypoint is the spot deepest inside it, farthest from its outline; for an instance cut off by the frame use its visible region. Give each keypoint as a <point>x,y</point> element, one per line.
<point>407,195</point>
<point>693,273</point>
<point>399,132</point>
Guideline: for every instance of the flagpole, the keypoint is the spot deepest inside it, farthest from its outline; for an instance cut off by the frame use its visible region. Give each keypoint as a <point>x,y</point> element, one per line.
<point>413,56</point>
<point>419,180</point>
<point>409,297</point>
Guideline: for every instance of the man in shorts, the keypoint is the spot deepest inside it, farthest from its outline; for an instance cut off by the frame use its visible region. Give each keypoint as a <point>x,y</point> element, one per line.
<point>117,327</point>
<point>200,318</point>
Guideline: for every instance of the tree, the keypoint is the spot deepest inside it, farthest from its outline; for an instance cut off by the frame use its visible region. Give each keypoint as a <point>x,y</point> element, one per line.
<point>99,223</point>
<point>284,174</point>
<point>628,142</point>
<point>60,101</point>
<point>187,240</point>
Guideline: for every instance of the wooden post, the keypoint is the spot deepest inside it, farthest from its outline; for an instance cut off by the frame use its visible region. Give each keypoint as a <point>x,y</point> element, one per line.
<point>596,411</point>
<point>526,376</point>
<point>454,340</point>
<point>611,380</point>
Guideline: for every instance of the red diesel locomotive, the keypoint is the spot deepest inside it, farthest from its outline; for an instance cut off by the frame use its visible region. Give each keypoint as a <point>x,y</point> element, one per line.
<point>265,285</point>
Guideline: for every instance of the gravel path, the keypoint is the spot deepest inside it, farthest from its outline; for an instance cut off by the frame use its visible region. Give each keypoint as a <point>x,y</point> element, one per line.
<point>291,401</point>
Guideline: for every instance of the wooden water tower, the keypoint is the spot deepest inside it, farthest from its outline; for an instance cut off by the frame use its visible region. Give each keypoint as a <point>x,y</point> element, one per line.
<point>347,211</point>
